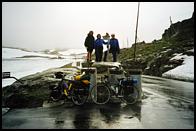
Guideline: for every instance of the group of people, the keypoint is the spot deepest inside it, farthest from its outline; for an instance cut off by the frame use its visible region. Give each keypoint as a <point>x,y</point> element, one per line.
<point>112,46</point>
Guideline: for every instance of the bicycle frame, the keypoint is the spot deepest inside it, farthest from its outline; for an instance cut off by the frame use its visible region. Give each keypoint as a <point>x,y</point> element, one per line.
<point>68,90</point>
<point>116,86</point>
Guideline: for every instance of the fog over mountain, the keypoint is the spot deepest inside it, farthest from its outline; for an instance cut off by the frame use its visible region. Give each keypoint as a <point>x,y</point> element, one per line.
<point>50,25</point>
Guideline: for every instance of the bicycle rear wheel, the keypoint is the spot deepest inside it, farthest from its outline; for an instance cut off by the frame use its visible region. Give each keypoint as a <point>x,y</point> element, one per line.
<point>100,94</point>
<point>130,97</point>
<point>79,96</point>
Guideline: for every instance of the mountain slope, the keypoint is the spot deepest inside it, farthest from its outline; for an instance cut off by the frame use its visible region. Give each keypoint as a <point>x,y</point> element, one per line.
<point>155,58</point>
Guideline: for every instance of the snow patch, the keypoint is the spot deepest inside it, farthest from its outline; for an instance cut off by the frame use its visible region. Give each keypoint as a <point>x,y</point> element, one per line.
<point>178,57</point>
<point>184,71</point>
<point>73,52</point>
<point>14,53</point>
<point>165,66</point>
<point>166,51</point>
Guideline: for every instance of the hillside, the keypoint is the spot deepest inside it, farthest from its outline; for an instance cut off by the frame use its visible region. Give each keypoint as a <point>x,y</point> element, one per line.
<point>155,58</point>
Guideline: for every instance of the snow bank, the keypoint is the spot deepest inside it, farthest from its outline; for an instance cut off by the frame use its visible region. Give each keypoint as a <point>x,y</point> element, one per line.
<point>73,52</point>
<point>184,71</point>
<point>13,53</point>
<point>20,67</point>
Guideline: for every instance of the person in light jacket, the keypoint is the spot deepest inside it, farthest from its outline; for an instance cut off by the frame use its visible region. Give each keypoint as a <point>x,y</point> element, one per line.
<point>106,49</point>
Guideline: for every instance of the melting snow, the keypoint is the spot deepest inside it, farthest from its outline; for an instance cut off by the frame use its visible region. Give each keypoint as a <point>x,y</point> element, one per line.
<point>184,71</point>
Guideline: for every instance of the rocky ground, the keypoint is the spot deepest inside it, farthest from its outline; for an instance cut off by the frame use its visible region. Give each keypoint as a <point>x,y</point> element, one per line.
<point>34,90</point>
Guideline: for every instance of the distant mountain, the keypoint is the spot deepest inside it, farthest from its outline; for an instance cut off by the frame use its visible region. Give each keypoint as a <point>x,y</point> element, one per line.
<point>12,52</point>
<point>19,48</point>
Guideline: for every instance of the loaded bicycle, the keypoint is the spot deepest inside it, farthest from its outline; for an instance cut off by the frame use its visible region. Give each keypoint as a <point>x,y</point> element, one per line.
<point>75,90</point>
<point>125,90</point>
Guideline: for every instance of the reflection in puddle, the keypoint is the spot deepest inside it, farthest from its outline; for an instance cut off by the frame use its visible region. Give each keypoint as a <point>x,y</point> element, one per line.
<point>181,105</point>
<point>108,116</point>
<point>120,116</point>
<point>111,114</point>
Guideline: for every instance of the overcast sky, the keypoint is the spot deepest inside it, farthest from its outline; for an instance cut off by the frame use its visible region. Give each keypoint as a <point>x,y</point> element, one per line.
<point>45,25</point>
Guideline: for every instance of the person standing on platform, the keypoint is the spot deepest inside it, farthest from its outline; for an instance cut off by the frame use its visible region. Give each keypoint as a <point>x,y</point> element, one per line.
<point>106,50</point>
<point>89,44</point>
<point>114,47</point>
<point>99,48</point>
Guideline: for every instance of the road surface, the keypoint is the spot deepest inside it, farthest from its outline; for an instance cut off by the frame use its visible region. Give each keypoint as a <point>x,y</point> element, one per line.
<point>167,104</point>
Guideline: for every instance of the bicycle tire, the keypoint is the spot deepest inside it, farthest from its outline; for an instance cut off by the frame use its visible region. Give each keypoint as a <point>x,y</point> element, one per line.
<point>103,94</point>
<point>130,97</point>
<point>79,95</point>
<point>54,96</point>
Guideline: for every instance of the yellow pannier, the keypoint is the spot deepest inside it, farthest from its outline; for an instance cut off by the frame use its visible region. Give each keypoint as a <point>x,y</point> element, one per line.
<point>86,82</point>
<point>77,77</point>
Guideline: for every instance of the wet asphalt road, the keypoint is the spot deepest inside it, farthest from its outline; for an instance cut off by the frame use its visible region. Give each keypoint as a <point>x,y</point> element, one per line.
<point>168,104</point>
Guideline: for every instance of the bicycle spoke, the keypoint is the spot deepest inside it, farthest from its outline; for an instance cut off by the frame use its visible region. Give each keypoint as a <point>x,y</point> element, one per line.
<point>100,94</point>
<point>79,97</point>
<point>130,97</point>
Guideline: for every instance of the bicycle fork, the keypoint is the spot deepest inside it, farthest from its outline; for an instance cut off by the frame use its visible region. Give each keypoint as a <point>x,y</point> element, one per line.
<point>67,89</point>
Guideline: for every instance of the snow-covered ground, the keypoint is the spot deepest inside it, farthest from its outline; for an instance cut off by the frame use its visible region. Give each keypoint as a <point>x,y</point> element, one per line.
<point>73,52</point>
<point>13,53</point>
<point>184,71</point>
<point>17,62</point>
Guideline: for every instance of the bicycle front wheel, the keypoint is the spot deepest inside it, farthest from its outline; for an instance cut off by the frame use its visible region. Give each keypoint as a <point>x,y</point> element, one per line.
<point>79,96</point>
<point>100,94</point>
<point>130,97</point>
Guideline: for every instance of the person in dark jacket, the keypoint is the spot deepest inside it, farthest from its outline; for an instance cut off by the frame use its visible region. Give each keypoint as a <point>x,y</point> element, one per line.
<point>89,44</point>
<point>99,48</point>
<point>114,47</point>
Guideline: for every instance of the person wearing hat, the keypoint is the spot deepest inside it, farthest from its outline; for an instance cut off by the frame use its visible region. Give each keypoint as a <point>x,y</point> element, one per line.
<point>89,44</point>
<point>114,47</point>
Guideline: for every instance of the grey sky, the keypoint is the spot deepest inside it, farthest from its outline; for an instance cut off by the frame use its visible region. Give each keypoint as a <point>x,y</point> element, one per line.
<point>43,25</point>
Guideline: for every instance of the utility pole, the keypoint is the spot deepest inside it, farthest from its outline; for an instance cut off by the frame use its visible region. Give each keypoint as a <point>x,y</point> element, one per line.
<point>136,29</point>
<point>172,25</point>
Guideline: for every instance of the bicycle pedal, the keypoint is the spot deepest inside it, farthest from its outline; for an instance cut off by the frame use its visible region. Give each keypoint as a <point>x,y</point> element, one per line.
<point>120,96</point>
